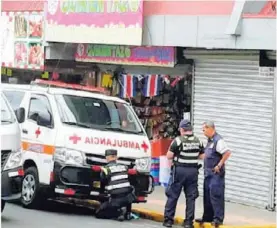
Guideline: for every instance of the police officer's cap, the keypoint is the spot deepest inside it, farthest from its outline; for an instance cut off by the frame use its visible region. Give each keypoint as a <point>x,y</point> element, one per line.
<point>186,125</point>
<point>110,152</point>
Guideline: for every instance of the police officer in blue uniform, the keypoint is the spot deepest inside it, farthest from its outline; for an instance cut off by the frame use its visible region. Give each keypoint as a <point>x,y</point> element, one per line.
<point>115,178</point>
<point>216,153</point>
<point>185,151</point>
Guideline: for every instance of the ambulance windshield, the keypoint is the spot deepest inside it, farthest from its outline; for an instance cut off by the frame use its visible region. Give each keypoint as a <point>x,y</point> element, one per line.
<point>89,112</point>
<point>6,112</point>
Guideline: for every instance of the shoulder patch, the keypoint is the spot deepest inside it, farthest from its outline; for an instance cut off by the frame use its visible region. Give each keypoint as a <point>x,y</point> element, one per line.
<point>178,141</point>
<point>191,138</point>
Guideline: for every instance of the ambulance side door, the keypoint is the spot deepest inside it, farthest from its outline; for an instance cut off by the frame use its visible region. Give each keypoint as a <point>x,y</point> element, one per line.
<point>41,131</point>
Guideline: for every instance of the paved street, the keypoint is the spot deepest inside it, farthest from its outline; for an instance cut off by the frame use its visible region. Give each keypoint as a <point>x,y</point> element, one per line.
<point>59,215</point>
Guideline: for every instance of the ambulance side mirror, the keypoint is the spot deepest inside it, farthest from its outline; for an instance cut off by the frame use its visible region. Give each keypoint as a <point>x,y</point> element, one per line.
<point>45,120</point>
<point>20,115</point>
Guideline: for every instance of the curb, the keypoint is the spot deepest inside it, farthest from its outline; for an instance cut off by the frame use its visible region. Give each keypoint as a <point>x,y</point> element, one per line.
<point>158,217</point>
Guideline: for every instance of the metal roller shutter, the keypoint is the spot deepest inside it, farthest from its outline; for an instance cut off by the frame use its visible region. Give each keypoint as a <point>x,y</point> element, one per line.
<point>275,137</point>
<point>229,90</point>
<point>272,55</point>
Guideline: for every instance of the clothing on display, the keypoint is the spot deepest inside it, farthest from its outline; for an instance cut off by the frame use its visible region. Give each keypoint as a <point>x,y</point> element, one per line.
<point>152,85</point>
<point>158,100</point>
<point>107,80</point>
<point>128,86</point>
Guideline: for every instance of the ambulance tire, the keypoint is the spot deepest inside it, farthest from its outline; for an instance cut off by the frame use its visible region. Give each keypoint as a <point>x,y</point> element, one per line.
<point>36,200</point>
<point>3,202</point>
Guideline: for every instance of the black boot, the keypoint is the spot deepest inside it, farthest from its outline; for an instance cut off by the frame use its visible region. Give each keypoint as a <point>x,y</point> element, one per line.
<point>201,221</point>
<point>216,223</point>
<point>121,216</point>
<point>128,216</point>
<point>168,223</point>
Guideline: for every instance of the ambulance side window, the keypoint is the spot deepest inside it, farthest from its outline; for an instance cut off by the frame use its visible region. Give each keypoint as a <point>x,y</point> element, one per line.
<point>15,98</point>
<point>40,111</point>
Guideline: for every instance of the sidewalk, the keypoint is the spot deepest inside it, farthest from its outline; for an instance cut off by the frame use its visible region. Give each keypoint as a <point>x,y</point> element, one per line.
<point>236,214</point>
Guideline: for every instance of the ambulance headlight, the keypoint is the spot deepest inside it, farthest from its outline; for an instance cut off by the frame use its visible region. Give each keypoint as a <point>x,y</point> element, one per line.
<point>143,165</point>
<point>69,157</point>
<point>14,160</point>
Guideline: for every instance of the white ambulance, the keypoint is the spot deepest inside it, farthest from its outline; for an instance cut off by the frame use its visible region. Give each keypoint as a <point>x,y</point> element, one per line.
<point>65,131</point>
<point>11,155</point>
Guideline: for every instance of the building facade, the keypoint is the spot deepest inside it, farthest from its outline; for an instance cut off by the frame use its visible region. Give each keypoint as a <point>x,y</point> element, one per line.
<point>228,48</point>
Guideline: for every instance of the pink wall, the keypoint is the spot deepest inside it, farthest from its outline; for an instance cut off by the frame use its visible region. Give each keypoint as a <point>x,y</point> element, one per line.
<point>193,8</point>
<point>157,7</point>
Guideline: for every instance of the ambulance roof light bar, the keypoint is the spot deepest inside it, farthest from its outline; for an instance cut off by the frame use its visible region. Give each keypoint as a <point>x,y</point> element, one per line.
<point>68,86</point>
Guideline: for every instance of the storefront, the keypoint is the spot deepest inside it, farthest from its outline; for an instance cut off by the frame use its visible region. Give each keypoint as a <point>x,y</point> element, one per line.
<point>147,77</point>
<point>232,89</point>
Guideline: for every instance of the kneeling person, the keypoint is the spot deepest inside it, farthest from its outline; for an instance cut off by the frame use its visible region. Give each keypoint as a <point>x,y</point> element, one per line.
<point>116,180</point>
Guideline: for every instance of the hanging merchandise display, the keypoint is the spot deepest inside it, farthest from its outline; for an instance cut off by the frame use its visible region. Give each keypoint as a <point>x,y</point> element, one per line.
<point>158,100</point>
<point>107,80</point>
<point>128,86</point>
<point>152,85</point>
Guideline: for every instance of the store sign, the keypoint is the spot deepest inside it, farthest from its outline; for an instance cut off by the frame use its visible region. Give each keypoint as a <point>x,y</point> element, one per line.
<point>127,55</point>
<point>101,21</point>
<point>22,40</point>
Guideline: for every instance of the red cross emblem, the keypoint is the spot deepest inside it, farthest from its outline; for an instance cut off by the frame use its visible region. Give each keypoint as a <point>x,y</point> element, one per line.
<point>74,139</point>
<point>144,146</point>
<point>37,132</point>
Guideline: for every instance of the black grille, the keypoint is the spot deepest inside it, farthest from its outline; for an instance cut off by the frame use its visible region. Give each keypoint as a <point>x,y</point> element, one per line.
<point>92,159</point>
<point>4,157</point>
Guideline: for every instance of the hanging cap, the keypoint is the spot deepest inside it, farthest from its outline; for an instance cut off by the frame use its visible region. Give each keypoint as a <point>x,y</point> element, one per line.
<point>185,124</point>
<point>110,152</point>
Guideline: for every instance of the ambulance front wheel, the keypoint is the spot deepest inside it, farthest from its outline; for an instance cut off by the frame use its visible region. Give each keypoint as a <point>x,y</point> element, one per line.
<point>31,195</point>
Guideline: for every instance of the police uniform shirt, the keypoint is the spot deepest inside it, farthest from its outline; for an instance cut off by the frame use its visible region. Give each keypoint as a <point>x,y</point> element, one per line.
<point>115,177</point>
<point>178,149</point>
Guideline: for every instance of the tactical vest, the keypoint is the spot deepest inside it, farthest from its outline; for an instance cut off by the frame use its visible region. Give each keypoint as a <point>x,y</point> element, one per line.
<point>212,157</point>
<point>189,148</point>
<point>118,182</point>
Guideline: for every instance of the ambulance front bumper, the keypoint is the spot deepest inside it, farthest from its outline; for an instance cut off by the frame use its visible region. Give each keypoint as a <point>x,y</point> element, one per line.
<point>84,183</point>
<point>11,184</point>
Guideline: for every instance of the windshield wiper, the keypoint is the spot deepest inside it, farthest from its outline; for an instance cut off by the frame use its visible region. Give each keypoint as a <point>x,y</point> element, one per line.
<point>6,121</point>
<point>77,124</point>
<point>122,130</point>
<point>114,129</point>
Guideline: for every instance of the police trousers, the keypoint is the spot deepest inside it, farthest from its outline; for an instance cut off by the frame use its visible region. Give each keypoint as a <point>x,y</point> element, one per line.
<point>185,178</point>
<point>214,186</point>
<point>112,209</point>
